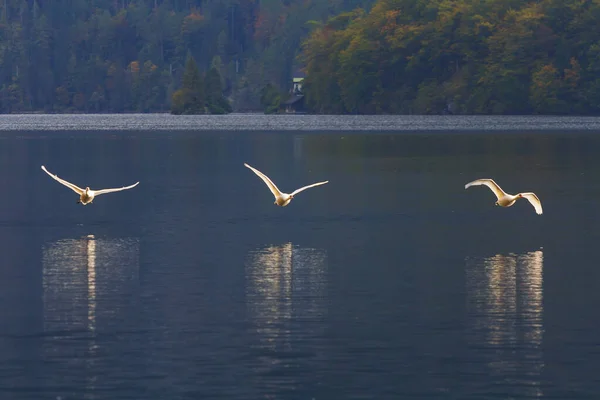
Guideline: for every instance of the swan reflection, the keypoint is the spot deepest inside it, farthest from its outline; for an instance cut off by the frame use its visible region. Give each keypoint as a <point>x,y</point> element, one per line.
<point>284,282</point>
<point>78,274</point>
<point>91,280</point>
<point>505,308</point>
<point>75,270</point>
<point>298,147</point>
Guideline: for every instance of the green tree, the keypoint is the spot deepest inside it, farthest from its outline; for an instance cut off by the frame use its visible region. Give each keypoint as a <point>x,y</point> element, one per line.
<point>87,50</point>
<point>546,86</point>
<point>190,98</point>
<point>215,101</point>
<point>270,98</point>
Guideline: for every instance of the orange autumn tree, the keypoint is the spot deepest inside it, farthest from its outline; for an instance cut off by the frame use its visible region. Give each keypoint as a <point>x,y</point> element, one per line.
<point>456,56</point>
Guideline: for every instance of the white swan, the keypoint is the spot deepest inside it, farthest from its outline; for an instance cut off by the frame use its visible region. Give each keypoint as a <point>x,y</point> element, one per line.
<point>86,196</point>
<point>505,199</point>
<point>281,199</point>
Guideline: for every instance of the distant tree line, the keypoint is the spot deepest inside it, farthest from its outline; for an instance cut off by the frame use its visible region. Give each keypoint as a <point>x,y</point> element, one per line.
<point>131,55</point>
<point>457,56</point>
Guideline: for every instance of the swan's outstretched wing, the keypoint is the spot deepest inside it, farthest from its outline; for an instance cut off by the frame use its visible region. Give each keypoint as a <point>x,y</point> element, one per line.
<point>295,192</point>
<point>104,191</point>
<point>534,200</point>
<point>489,183</point>
<point>276,192</point>
<point>75,188</point>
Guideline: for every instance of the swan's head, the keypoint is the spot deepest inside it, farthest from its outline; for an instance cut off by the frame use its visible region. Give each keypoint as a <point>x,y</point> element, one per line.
<point>87,189</point>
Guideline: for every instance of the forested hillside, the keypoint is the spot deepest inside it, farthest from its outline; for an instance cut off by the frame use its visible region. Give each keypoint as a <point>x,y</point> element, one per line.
<point>129,55</point>
<point>458,56</point>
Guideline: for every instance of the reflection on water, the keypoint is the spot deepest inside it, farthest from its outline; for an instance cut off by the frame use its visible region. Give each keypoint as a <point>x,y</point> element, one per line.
<point>286,285</point>
<point>77,275</point>
<point>76,270</point>
<point>505,309</point>
<point>269,292</point>
<point>298,147</point>
<point>91,280</point>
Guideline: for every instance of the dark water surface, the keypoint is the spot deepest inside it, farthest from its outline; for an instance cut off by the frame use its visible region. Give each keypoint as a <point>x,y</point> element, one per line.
<point>392,281</point>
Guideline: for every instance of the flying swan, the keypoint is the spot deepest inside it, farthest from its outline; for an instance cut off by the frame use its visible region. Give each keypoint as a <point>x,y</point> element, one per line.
<point>281,199</point>
<point>505,199</point>
<point>87,195</point>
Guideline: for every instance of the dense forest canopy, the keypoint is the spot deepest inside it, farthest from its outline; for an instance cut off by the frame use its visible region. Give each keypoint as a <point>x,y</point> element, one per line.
<point>457,56</point>
<point>130,55</point>
<point>359,56</point>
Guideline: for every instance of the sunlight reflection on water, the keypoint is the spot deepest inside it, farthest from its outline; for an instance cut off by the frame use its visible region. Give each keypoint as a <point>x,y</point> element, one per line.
<point>77,274</point>
<point>505,307</point>
<point>285,283</point>
<point>76,270</point>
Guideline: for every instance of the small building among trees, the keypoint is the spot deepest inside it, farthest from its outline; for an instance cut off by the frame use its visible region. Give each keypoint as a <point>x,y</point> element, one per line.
<point>295,102</point>
<point>294,105</point>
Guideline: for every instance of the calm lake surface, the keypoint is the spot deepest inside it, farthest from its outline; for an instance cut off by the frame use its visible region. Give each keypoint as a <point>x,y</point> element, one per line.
<point>392,281</point>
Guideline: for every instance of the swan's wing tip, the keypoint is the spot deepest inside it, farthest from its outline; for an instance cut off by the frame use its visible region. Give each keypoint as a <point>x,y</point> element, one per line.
<point>130,186</point>
<point>534,201</point>
<point>479,181</point>
<point>472,183</point>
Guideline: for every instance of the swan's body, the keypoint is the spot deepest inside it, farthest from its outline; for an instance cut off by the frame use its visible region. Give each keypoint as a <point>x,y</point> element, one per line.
<point>87,195</point>
<point>281,199</point>
<point>505,199</point>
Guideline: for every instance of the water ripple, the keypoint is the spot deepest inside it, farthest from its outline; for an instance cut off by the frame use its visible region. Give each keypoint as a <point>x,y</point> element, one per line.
<point>261,122</point>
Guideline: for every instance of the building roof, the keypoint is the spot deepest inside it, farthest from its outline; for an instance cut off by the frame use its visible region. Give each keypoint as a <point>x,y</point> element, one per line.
<point>294,99</point>
<point>299,73</point>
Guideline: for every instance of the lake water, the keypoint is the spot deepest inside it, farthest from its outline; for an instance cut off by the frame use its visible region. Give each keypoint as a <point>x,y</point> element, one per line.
<point>392,281</point>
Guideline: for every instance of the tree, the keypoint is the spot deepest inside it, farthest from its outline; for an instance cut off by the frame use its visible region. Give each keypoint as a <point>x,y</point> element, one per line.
<point>492,57</point>
<point>130,55</point>
<point>546,86</point>
<point>388,56</point>
<point>215,101</point>
<point>190,98</point>
<point>270,99</point>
